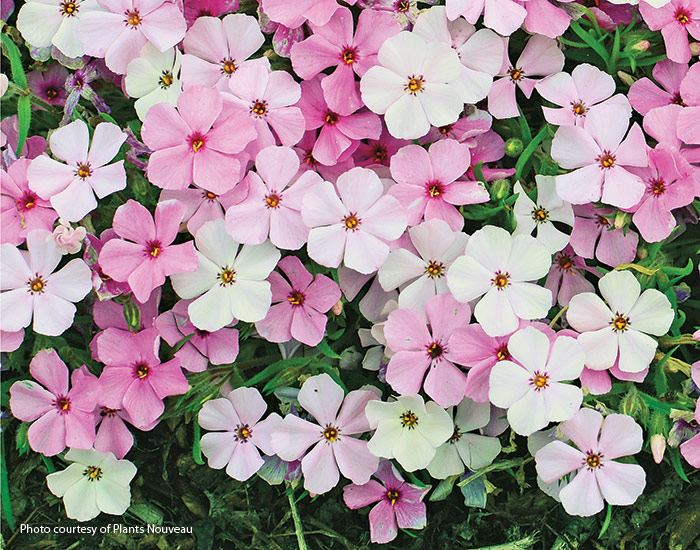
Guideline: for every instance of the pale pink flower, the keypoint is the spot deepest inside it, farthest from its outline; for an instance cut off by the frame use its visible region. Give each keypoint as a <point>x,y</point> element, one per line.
<point>68,240</point>
<point>30,288</point>
<point>304,150</point>
<point>299,306</point>
<point>217,48</point>
<point>498,267</point>
<point>353,222</point>
<point>503,16</point>
<point>145,255</point>
<point>295,14</point>
<point>10,341</point>
<point>428,183</point>
<point>194,144</point>
<point>618,332</point>
<point>272,207</point>
<point>675,20</point>
<point>644,95</point>
<point>335,450</point>
<point>566,277</point>
<point>377,151</point>
<point>540,58</point>
<point>594,225</point>
<point>599,156</point>
<point>121,29</point>
<point>60,418</point>
<point>134,379</point>
<point>22,210</point>
<point>105,287</point>
<point>546,17</point>
<point>71,187</point>
<point>597,476</point>
<point>237,434</point>
<point>532,389</point>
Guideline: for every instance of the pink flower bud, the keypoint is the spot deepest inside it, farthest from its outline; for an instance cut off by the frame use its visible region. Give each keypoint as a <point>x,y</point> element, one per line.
<point>695,48</point>
<point>67,239</point>
<point>337,309</point>
<point>696,335</point>
<point>658,447</point>
<point>641,46</point>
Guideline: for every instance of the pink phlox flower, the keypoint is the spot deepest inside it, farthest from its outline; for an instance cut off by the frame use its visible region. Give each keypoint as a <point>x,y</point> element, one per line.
<point>532,389</point>
<point>21,208</point>
<point>618,331</point>
<point>339,132</point>
<point>272,207</point>
<point>352,222</point>
<point>546,17</point>
<point>134,379</point>
<point>71,187</point>
<point>644,95</point>
<point>121,29</point>
<point>428,182</point>
<point>295,14</point>
<point>597,476</point>
<point>299,306</point>
<point>610,16</point>
<point>113,435</point>
<point>418,349</point>
<point>577,94</point>
<point>465,129</point>
<point>540,58</point>
<point>105,287</point>
<point>400,504</point>
<point>283,38</point>
<point>268,99</point>
<point>691,449</point>
<point>109,313</point>
<point>49,85</point>
<point>31,288</point>
<point>480,52</point>
<point>336,45</point>
<point>217,48</point>
<point>196,143</point>
<point>566,278</point>
<point>10,341</point>
<point>378,151</point>
<point>218,348</point>
<point>60,417</point>
<point>194,9</point>
<point>237,435</point>
<point>421,270</point>
<point>599,156</point>
<point>145,255</point>
<point>304,150</point>
<point>503,16</point>
<point>404,11</point>
<point>335,450</point>
<point>675,20</point>
<point>489,147</point>
<point>9,135</point>
<point>594,225</point>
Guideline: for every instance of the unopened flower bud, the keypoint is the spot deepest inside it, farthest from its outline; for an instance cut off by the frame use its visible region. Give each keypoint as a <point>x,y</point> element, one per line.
<point>633,405</point>
<point>642,252</point>
<point>696,335</point>
<point>695,48</point>
<point>514,147</point>
<point>658,447</point>
<point>625,78</point>
<point>499,189</point>
<point>132,315</point>
<point>337,309</point>
<point>641,46</point>
<point>622,219</point>
<point>67,239</point>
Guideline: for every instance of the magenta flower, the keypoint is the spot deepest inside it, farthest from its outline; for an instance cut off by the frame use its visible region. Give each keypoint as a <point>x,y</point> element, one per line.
<point>546,17</point>
<point>465,129</point>
<point>304,150</point>
<point>145,255</point>
<point>335,45</point>
<point>644,95</point>
<point>49,85</point>
<point>597,476</point>
<point>63,418</point>
<point>193,144</point>
<point>334,448</point>
<point>417,350</point>
<point>295,14</point>
<point>339,132</point>
<point>113,436</point>
<point>22,210</point>
<point>237,432</point>
<point>354,223</point>
<point>378,151</point>
<point>218,348</point>
<point>599,157</point>
<point>675,20</point>
<point>503,16</point>
<point>105,287</point>
<point>593,225</point>
<point>71,187</point>
<point>566,277</point>
<point>540,58</point>
<point>272,206</point>
<point>195,9</point>
<point>217,48</point>
<point>134,379</point>
<point>299,306</point>
<point>122,29</point>
<point>400,504</point>
<point>204,206</point>
<point>427,182</point>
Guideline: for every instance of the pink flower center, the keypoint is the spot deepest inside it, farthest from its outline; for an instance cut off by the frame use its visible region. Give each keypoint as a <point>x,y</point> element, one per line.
<point>331,118</point>
<point>37,284</point>
<point>603,221</point>
<point>539,381</point>
<point>502,353</point>
<point>657,187</point>
<point>515,73</point>
<point>273,200</point>
<point>349,55</point>
<point>682,16</point>
<point>105,411</point>
<point>402,6</point>
<point>69,9</point>
<point>208,195</point>
<point>415,84</point>
<point>392,495</point>
<point>296,298</point>
<point>434,189</point>
<point>28,200</point>
<point>84,171</point>
<point>593,460</point>
<point>435,270</point>
<point>201,333</point>
<point>154,249</point>
<point>63,404</point>
<point>380,153</point>
<point>565,262</point>
<point>259,108</point>
<point>310,160</point>
<point>142,370</point>
<point>51,93</point>
<point>435,350</point>
<point>606,160</point>
<point>133,18</point>
<point>351,222</point>
<point>444,130</point>
<point>330,434</point>
<point>228,66</point>
<point>243,433</point>
<point>620,323</point>
<point>579,108</point>
<point>501,280</point>
<point>677,100</point>
<point>197,142</point>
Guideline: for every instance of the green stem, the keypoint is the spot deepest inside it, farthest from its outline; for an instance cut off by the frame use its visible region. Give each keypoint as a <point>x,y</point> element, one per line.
<point>298,527</point>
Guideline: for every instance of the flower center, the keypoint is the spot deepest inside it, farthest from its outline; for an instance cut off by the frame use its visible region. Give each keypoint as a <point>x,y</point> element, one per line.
<point>349,55</point>
<point>330,434</point>
<point>540,215</point>
<point>414,84</point>
<point>259,108</point>
<point>243,433</point>
<point>682,16</point>
<point>579,108</point>
<point>444,130</point>
<point>434,189</point>
<point>210,196</point>
<point>380,153</point>
<point>501,280</point>
<point>565,262</point>
<point>93,473</point>
<point>435,270</point>
<point>603,221</point>
<point>331,118</point>
<point>352,222</point>
<point>197,142</point>
<point>539,381</point>
<point>28,200</point>
<point>593,460</point>
<point>69,9</point>
<point>392,495</point>
<point>37,285</point>
<point>166,79</point>
<point>310,160</point>
<point>63,404</point>
<point>228,66</point>
<point>620,323</point>
<point>435,350</point>
<point>142,370</point>
<point>515,73</point>
<point>296,298</point>
<point>606,160</point>
<point>502,353</point>
<point>51,93</point>
<point>132,18</point>
<point>677,99</point>
<point>408,420</point>
<point>272,200</point>
<point>84,171</point>
<point>456,435</point>
<point>154,249</point>
<point>108,412</point>
<point>657,187</point>
<point>227,277</point>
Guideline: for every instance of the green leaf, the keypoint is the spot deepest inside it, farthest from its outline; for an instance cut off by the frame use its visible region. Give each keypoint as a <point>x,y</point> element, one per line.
<point>278,366</point>
<point>524,127</point>
<point>612,63</point>
<point>48,463</point>
<point>24,116</point>
<point>443,489</point>
<point>675,456</point>
<point>474,492</point>
<point>12,52</point>
<point>591,41</point>
<point>326,350</point>
<point>196,448</point>
<point>606,523</point>
<point>5,489</point>
<point>479,172</point>
<point>528,152</point>
<point>182,342</point>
